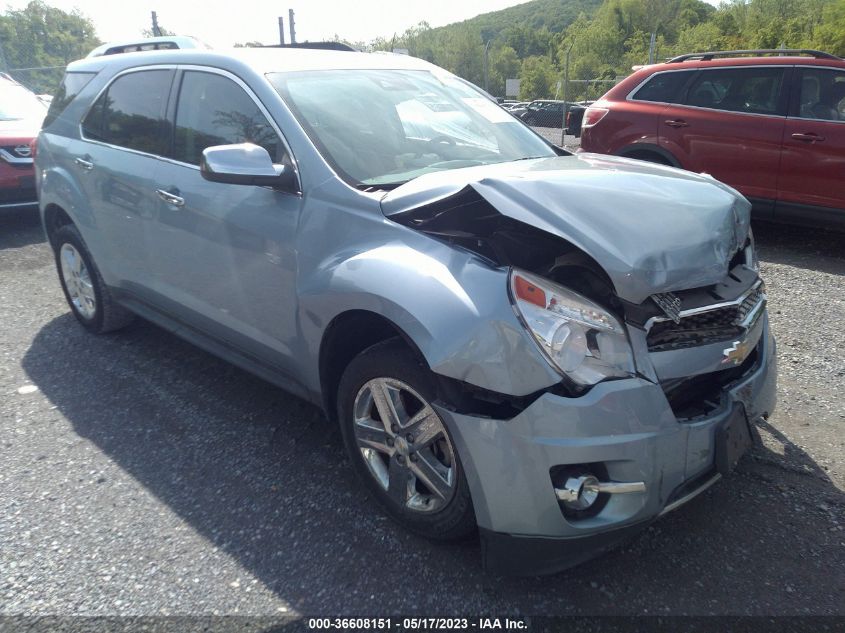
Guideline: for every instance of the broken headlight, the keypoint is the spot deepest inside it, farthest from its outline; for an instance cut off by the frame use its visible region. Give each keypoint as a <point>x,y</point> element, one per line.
<point>752,260</point>
<point>583,340</point>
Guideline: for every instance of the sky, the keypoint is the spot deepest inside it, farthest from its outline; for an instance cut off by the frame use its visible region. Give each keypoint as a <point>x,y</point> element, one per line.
<point>223,23</point>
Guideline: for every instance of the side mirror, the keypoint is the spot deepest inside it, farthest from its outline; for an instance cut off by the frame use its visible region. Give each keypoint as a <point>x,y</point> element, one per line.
<point>245,164</point>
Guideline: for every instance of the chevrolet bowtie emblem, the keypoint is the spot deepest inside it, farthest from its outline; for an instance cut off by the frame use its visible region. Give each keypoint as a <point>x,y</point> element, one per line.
<point>670,303</point>
<point>736,353</point>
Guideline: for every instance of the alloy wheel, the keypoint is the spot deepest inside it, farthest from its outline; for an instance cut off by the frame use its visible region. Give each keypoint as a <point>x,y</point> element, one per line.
<point>77,280</point>
<point>405,446</point>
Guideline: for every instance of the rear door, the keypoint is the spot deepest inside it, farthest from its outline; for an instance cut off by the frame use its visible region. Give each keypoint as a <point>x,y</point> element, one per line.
<point>224,255</point>
<point>123,137</point>
<point>729,123</point>
<point>813,164</point>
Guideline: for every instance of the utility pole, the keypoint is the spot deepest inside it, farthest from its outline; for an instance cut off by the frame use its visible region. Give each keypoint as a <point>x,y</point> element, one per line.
<point>565,95</point>
<point>651,47</point>
<point>292,27</point>
<point>281,30</point>
<point>156,29</point>
<point>486,64</point>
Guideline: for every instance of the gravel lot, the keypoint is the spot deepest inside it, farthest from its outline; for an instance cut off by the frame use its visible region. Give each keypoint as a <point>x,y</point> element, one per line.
<point>552,135</point>
<point>141,476</point>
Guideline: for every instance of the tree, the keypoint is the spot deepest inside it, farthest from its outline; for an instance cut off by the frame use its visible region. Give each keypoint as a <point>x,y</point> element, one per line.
<point>504,64</point>
<point>46,39</point>
<point>830,34</point>
<point>537,78</point>
<point>163,32</point>
<point>608,37</point>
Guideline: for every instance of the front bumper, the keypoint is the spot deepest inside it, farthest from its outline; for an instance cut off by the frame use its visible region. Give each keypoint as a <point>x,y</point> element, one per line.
<point>629,428</point>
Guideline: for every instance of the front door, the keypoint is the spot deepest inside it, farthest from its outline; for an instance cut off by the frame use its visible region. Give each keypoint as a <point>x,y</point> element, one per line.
<point>729,124</point>
<point>224,254</point>
<point>813,163</point>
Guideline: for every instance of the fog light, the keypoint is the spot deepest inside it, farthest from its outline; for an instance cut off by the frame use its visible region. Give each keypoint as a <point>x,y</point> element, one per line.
<point>582,491</point>
<point>579,493</point>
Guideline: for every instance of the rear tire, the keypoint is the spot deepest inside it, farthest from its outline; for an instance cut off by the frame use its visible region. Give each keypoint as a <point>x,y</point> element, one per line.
<point>649,157</point>
<point>85,291</point>
<point>399,446</point>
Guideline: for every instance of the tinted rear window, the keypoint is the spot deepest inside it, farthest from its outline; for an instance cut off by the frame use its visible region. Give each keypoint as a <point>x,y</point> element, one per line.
<point>72,85</point>
<point>754,89</point>
<point>663,87</point>
<point>131,112</point>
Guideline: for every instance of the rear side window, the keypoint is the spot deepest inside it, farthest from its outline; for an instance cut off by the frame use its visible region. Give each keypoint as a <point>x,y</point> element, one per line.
<point>130,113</point>
<point>822,94</point>
<point>214,110</point>
<point>71,85</point>
<point>754,90</point>
<point>663,87</point>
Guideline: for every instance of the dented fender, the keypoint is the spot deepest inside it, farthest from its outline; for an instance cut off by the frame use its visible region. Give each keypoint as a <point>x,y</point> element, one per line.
<point>452,305</point>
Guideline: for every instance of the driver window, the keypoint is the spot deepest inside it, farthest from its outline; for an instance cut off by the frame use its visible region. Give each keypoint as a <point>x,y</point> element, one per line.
<point>214,110</point>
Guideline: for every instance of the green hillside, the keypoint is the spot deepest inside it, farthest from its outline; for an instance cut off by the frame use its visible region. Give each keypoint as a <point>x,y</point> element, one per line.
<point>551,15</point>
<point>606,37</point>
<point>528,30</point>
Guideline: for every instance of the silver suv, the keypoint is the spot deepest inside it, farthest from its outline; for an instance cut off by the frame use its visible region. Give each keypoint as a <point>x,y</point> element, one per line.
<point>553,350</point>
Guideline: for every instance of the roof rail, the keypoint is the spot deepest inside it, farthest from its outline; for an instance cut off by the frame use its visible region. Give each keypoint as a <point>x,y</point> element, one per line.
<point>328,46</point>
<point>761,51</point>
<point>166,42</point>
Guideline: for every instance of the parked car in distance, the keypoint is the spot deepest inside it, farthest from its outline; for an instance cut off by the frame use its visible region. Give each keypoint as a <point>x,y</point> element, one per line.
<point>770,123</point>
<point>574,117</point>
<point>550,113</point>
<point>21,114</point>
<point>551,350</point>
<point>544,113</point>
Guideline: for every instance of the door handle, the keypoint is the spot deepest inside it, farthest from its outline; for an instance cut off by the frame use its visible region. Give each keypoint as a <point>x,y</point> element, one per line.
<point>677,123</point>
<point>809,137</point>
<point>87,165</point>
<point>169,198</point>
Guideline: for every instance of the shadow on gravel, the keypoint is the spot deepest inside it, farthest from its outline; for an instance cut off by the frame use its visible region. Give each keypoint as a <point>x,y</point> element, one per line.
<point>20,228</point>
<point>262,476</point>
<point>814,249</point>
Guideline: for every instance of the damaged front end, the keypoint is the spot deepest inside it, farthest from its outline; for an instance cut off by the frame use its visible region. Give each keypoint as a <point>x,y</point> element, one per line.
<point>612,237</point>
<point>641,288</point>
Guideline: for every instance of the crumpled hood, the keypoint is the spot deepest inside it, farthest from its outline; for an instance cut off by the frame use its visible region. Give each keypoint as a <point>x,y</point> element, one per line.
<point>652,228</point>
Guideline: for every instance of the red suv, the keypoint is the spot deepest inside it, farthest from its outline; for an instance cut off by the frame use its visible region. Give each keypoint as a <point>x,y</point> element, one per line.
<point>773,127</point>
<point>21,114</point>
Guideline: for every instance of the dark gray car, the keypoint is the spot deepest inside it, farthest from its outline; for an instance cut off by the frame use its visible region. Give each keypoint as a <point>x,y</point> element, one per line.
<point>553,350</point>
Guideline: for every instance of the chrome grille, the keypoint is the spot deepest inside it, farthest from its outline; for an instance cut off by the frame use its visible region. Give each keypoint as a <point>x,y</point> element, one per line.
<point>708,324</point>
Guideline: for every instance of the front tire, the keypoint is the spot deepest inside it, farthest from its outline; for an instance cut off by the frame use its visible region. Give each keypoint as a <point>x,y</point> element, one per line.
<point>398,444</point>
<point>83,286</point>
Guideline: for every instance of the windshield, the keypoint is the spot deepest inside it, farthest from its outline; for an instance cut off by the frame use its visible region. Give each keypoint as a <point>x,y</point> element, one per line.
<point>381,128</point>
<point>18,104</point>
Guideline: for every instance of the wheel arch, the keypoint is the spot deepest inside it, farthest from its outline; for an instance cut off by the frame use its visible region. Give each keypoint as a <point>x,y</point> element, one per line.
<point>347,335</point>
<point>632,151</point>
<point>55,217</point>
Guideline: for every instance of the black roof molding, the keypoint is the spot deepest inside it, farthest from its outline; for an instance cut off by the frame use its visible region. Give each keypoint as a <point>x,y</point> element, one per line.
<point>326,46</point>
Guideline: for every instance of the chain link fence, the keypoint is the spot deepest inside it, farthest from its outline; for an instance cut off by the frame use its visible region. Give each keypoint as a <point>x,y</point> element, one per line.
<point>42,80</point>
<point>558,117</point>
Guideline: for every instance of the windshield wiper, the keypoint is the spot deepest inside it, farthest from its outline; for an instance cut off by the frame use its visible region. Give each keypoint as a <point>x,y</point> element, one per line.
<point>387,186</point>
<point>529,158</point>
